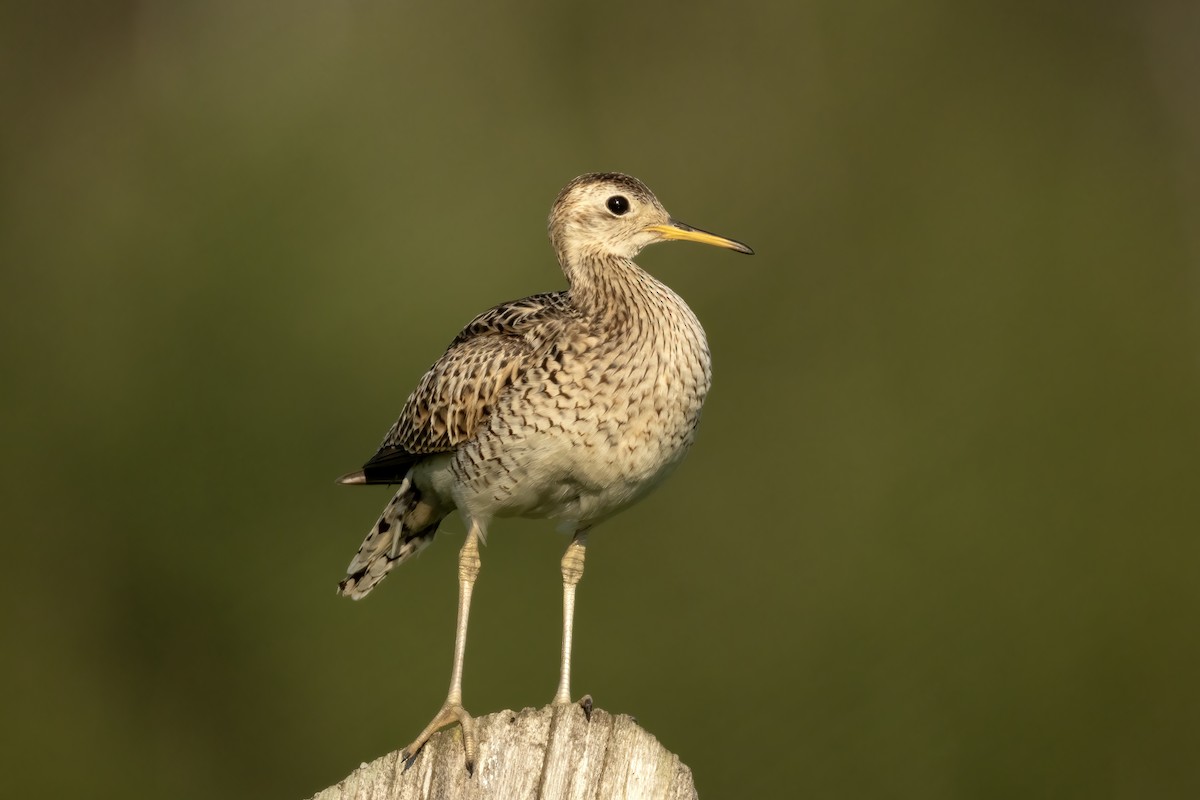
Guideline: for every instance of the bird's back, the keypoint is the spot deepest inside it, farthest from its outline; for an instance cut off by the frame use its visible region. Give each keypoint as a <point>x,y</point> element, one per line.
<point>459,392</point>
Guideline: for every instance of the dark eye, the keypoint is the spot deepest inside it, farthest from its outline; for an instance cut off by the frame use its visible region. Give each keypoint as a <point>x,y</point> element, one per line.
<point>617,204</point>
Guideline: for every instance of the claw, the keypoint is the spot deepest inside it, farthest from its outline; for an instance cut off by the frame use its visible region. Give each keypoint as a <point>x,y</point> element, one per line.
<point>449,714</point>
<point>585,703</point>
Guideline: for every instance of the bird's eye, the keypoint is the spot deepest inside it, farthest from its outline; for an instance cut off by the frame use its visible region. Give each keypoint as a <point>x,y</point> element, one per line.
<point>617,204</point>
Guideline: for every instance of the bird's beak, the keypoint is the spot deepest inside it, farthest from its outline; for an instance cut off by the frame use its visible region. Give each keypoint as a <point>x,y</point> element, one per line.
<point>675,230</point>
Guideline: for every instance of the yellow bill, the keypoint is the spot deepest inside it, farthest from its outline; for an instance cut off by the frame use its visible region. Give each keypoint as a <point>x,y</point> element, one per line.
<point>678,231</point>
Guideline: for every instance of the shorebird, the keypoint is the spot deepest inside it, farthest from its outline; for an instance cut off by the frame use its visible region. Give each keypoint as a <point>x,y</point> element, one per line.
<point>568,406</point>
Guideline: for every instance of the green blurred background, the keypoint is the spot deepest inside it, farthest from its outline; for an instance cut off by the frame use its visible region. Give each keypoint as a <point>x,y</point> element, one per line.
<point>938,538</point>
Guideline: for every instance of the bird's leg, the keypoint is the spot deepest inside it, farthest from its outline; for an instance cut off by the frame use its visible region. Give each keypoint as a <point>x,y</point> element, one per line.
<point>452,710</point>
<point>572,571</point>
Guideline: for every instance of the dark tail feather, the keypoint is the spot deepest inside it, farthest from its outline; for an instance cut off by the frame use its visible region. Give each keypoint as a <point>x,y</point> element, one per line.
<point>405,528</point>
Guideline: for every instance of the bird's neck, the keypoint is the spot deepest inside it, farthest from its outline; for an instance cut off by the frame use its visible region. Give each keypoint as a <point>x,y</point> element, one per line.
<point>611,288</point>
<point>629,304</point>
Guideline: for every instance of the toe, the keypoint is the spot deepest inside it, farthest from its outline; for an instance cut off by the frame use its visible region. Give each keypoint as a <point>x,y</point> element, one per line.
<point>449,714</point>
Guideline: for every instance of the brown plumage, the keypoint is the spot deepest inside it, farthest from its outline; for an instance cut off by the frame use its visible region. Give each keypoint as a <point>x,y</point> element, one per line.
<point>567,406</point>
<point>461,388</point>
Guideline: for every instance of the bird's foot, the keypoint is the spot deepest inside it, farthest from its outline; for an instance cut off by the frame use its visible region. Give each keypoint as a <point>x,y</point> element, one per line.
<point>449,714</point>
<point>585,703</point>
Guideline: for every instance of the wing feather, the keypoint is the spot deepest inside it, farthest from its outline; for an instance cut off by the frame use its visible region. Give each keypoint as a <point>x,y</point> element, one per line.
<point>458,393</point>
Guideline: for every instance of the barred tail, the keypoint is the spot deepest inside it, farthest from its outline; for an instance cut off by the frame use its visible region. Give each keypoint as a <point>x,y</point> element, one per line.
<point>405,528</point>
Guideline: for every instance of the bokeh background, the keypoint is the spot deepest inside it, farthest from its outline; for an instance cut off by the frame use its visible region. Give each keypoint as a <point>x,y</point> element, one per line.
<point>938,538</point>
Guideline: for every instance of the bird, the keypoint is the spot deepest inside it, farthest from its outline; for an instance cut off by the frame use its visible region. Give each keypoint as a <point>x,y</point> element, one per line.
<point>568,406</point>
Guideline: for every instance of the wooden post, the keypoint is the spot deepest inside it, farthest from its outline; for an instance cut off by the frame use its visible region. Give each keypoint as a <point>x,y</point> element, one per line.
<point>546,753</point>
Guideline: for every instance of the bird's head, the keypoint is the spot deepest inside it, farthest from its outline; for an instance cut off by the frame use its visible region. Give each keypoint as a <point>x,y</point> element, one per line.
<point>601,215</point>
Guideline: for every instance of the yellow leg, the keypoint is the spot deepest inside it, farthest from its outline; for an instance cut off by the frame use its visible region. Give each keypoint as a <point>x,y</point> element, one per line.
<point>452,710</point>
<point>572,572</point>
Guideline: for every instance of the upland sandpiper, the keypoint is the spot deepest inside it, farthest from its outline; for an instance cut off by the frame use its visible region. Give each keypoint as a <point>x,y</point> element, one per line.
<point>567,406</point>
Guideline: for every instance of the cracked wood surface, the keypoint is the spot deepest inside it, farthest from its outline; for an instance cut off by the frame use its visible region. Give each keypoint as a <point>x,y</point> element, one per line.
<point>548,753</point>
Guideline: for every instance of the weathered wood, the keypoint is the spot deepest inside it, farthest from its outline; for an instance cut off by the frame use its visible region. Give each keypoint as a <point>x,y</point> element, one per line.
<point>547,753</point>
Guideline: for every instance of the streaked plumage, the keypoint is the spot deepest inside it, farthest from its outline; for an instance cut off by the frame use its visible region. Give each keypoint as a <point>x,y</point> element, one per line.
<point>568,405</point>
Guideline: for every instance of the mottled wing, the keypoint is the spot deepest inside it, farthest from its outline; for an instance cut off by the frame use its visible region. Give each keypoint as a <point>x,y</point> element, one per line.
<point>459,392</point>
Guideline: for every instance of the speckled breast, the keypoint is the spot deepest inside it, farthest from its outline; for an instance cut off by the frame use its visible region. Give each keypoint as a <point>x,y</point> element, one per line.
<point>596,425</point>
